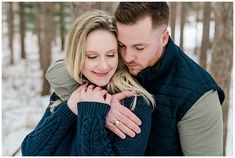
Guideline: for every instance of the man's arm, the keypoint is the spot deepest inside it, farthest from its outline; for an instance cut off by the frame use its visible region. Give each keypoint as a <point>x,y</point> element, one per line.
<point>201,128</point>
<point>60,80</point>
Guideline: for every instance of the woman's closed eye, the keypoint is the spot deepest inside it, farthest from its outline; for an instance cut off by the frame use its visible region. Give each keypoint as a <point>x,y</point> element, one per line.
<point>110,55</point>
<point>91,57</point>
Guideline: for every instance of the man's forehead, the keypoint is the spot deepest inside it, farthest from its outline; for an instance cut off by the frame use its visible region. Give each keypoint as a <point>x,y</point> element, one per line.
<point>131,32</point>
<point>133,43</point>
<point>134,39</point>
<point>145,23</point>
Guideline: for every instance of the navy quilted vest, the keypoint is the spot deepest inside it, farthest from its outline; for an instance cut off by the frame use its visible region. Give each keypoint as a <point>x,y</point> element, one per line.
<point>177,83</point>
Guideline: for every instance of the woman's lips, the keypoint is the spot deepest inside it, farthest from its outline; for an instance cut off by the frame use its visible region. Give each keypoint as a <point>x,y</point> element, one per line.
<point>101,74</point>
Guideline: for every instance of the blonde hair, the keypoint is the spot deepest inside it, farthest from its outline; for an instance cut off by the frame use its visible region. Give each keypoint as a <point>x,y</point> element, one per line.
<point>75,54</point>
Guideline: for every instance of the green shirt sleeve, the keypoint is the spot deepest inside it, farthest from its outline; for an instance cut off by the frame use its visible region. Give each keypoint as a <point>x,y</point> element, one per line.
<point>60,80</point>
<point>201,128</point>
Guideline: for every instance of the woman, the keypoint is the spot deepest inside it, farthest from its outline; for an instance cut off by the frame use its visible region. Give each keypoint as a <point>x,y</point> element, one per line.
<point>77,126</point>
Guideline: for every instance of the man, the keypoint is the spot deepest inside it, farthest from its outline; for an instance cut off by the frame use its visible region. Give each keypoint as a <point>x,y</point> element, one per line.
<point>188,116</point>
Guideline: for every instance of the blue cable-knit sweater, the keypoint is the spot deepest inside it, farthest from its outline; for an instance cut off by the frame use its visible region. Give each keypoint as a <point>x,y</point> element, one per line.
<point>63,133</point>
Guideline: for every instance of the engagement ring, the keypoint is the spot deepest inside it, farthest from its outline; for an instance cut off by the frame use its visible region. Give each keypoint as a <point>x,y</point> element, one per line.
<point>116,122</point>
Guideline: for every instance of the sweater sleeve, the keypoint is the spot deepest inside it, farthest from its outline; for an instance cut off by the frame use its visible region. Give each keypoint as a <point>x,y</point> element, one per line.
<point>94,139</point>
<point>201,128</point>
<point>49,131</point>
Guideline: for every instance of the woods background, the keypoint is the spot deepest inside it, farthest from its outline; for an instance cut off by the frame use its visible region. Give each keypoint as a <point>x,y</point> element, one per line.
<point>40,28</point>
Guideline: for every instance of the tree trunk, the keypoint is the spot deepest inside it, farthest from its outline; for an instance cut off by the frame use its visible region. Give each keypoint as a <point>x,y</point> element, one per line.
<point>78,8</point>
<point>197,12</point>
<point>222,56</point>
<point>173,19</point>
<point>182,23</point>
<point>10,20</point>
<point>205,35</point>
<point>62,26</point>
<point>107,6</point>
<point>22,29</point>
<point>47,40</point>
<point>38,18</point>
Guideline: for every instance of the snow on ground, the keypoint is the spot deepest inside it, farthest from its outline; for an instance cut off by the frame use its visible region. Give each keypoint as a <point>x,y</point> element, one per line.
<point>21,85</point>
<point>22,105</point>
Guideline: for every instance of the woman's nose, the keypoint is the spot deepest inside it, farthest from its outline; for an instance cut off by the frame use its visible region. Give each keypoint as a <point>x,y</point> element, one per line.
<point>103,65</point>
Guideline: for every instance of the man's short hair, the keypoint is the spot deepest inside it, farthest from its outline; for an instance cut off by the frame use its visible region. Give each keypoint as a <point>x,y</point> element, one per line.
<point>131,12</point>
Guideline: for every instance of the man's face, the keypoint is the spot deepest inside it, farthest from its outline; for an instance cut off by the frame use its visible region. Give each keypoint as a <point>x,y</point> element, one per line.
<point>141,46</point>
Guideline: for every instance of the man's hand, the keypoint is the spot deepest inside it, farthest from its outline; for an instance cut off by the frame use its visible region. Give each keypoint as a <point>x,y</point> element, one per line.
<point>120,119</point>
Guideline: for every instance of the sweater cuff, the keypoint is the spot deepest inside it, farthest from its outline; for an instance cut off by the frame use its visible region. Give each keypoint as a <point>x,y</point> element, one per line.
<point>64,113</point>
<point>93,109</point>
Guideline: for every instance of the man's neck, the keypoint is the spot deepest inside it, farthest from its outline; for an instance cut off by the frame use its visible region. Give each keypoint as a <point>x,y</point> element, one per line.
<point>158,63</point>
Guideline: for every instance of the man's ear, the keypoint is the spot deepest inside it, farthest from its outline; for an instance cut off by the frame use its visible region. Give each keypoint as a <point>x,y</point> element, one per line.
<point>165,38</point>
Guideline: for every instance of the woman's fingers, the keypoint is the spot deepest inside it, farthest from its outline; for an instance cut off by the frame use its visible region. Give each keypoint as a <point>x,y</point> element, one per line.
<point>90,88</point>
<point>97,89</point>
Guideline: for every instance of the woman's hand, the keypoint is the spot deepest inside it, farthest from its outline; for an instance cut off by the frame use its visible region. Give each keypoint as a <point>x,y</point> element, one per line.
<point>74,98</point>
<point>95,94</point>
<point>90,94</point>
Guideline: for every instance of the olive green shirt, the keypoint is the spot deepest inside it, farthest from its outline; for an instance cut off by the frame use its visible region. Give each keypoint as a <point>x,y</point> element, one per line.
<point>200,130</point>
<point>60,80</point>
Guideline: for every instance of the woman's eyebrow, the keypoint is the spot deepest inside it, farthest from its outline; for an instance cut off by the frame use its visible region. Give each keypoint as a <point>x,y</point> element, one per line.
<point>92,51</point>
<point>111,50</point>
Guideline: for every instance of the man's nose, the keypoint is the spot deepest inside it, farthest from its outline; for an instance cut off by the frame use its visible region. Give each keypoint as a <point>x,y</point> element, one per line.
<point>128,57</point>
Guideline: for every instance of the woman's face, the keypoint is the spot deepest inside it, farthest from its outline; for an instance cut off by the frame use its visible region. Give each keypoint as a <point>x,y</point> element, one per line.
<point>101,57</point>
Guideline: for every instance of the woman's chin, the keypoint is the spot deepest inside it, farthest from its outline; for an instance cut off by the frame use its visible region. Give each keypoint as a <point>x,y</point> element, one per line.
<point>100,84</point>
